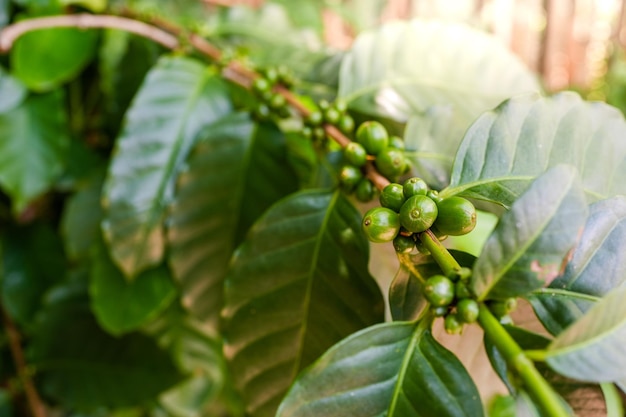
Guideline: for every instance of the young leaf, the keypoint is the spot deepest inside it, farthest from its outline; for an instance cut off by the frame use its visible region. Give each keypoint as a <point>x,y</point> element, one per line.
<point>33,146</point>
<point>529,244</point>
<point>392,369</point>
<point>210,215</point>
<point>84,368</point>
<point>122,306</point>
<point>392,72</point>
<point>597,265</point>
<point>298,284</point>
<point>13,91</point>
<point>591,349</point>
<point>177,99</point>
<point>505,149</point>
<point>61,54</point>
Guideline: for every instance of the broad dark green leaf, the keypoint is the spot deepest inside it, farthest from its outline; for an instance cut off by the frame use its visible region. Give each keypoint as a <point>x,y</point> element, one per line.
<point>298,284</point>
<point>592,349</point>
<point>84,368</point>
<point>176,100</point>
<point>52,65</point>
<point>80,223</point>
<point>32,262</point>
<point>393,369</point>
<point>405,68</point>
<point>531,241</point>
<point>33,142</point>
<point>505,149</point>
<point>406,300</point>
<point>13,91</point>
<point>120,305</point>
<point>4,12</point>
<point>597,265</point>
<point>234,173</point>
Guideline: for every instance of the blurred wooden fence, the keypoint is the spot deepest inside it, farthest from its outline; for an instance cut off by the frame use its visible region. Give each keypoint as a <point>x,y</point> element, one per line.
<point>566,42</point>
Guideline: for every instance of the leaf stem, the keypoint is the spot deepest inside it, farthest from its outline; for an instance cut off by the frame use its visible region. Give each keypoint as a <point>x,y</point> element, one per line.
<point>439,252</point>
<point>537,387</point>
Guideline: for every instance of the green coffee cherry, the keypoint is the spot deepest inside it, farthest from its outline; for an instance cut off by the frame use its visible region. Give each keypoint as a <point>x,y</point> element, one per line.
<point>396,142</point>
<point>346,124</point>
<point>440,311</point>
<point>365,190</point>
<point>403,244</point>
<point>340,105</point>
<point>433,195</point>
<point>315,118</point>
<point>332,116</point>
<point>349,177</point>
<point>461,290</point>
<point>414,186</point>
<point>418,213</point>
<point>271,74</point>
<point>467,310</point>
<point>261,86</point>
<point>501,308</point>
<point>355,154</point>
<point>262,112</point>
<point>277,101</point>
<point>390,162</point>
<point>439,290</point>
<point>457,216</point>
<point>381,224</point>
<point>373,136</point>
<point>452,325</point>
<point>392,197</point>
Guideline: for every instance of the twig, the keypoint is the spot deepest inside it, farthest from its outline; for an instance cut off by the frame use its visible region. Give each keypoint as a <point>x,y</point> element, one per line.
<point>11,33</point>
<point>34,401</point>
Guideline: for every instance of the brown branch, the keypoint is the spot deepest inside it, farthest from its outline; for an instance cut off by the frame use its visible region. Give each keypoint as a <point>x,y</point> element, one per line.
<point>35,403</point>
<point>11,33</point>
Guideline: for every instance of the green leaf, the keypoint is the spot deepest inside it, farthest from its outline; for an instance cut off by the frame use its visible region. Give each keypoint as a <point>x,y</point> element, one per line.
<point>210,215</point>
<point>177,99</point>
<point>62,53</point>
<point>13,91</point>
<point>392,72</point>
<point>121,305</point>
<point>81,366</point>
<point>6,408</point>
<point>529,244</point>
<point>96,6</point>
<point>597,265</point>
<point>4,13</point>
<point>80,222</point>
<point>32,262</point>
<point>505,149</point>
<point>392,369</point>
<point>298,284</point>
<point>33,142</point>
<point>591,349</point>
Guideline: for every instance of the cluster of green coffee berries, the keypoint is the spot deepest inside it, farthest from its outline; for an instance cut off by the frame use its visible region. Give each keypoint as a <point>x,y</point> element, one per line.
<point>326,113</point>
<point>271,102</point>
<point>411,208</point>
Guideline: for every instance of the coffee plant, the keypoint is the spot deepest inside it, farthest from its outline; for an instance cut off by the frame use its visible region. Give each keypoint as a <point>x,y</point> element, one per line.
<point>194,201</point>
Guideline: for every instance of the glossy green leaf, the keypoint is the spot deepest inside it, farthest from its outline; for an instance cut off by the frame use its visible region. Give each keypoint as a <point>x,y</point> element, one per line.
<point>210,215</point>
<point>33,142</point>
<point>592,349</point>
<point>84,368</point>
<point>177,99</point>
<point>80,223</point>
<point>120,305</point>
<point>32,262</point>
<point>405,68</point>
<point>298,284</point>
<point>597,265</point>
<point>529,244</point>
<point>505,149</point>
<point>13,91</point>
<point>52,65</point>
<point>392,369</point>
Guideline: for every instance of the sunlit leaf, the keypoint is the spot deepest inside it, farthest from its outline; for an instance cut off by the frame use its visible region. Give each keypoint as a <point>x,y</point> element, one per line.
<point>177,99</point>
<point>298,284</point>
<point>84,368</point>
<point>505,149</point>
<point>528,246</point>
<point>597,265</point>
<point>405,68</point>
<point>392,369</point>
<point>210,215</point>
<point>122,306</point>
<point>592,349</point>
<point>51,65</point>
<point>33,142</point>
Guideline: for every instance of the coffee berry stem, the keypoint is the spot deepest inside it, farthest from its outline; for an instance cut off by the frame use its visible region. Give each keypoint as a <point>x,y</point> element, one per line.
<point>440,254</point>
